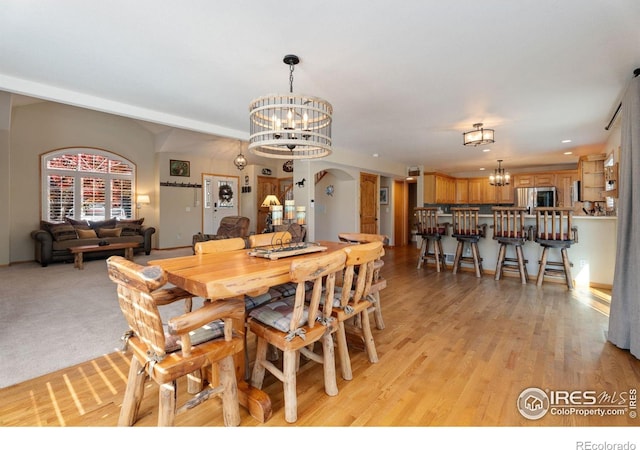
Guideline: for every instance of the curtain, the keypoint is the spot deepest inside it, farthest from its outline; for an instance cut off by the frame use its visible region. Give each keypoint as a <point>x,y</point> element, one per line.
<point>624,318</point>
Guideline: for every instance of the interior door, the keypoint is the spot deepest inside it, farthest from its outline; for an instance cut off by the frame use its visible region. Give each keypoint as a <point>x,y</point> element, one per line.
<point>219,199</point>
<point>266,186</point>
<point>369,203</point>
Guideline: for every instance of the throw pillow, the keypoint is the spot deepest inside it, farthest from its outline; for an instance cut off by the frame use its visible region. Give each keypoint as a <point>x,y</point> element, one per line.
<point>78,224</point>
<point>110,223</point>
<point>86,234</point>
<point>62,232</point>
<point>109,232</point>
<point>130,227</point>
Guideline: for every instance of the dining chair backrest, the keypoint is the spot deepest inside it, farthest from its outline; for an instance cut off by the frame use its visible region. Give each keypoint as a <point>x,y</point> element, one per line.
<point>359,271</point>
<point>277,238</point>
<point>220,245</point>
<point>363,238</point>
<point>135,286</point>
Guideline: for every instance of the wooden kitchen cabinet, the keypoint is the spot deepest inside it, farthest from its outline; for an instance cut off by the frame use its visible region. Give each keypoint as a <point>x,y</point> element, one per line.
<point>439,188</point>
<point>591,168</point>
<point>534,179</point>
<point>462,191</point>
<point>564,187</point>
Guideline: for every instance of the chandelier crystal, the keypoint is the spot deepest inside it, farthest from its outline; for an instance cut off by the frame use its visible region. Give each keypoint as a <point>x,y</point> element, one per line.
<point>479,136</point>
<point>290,126</point>
<point>499,176</point>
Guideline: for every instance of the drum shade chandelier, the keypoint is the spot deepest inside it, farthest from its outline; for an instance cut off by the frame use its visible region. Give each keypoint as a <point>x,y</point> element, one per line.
<point>499,177</point>
<point>479,136</point>
<point>290,126</point>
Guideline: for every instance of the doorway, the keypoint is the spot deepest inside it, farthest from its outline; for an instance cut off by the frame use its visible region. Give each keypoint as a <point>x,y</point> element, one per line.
<point>220,199</point>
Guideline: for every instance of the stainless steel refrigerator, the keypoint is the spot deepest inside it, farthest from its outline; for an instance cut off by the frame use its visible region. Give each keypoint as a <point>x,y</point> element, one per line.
<point>535,197</point>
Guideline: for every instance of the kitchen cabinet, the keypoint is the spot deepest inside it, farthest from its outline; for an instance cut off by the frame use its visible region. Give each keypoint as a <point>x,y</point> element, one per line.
<point>477,190</point>
<point>439,188</point>
<point>564,187</point>
<point>534,180</point>
<point>591,168</point>
<point>462,191</point>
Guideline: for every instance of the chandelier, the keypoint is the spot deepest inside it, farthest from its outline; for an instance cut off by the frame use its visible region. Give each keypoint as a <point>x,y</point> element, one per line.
<point>479,136</point>
<point>499,176</point>
<point>240,161</point>
<point>290,126</point>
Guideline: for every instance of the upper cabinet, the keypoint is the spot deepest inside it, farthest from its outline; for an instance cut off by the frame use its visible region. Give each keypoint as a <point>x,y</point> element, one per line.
<point>462,190</point>
<point>439,188</point>
<point>534,179</point>
<point>591,169</point>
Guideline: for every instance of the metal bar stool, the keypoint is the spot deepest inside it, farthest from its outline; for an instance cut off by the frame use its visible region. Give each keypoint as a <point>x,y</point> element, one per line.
<point>467,231</point>
<point>509,230</point>
<point>431,233</point>
<point>554,230</point>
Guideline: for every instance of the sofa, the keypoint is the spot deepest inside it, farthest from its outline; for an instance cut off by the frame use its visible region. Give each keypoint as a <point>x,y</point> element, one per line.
<point>53,240</point>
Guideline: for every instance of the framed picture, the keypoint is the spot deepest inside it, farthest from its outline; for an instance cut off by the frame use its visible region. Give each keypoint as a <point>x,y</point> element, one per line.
<point>179,168</point>
<point>384,195</point>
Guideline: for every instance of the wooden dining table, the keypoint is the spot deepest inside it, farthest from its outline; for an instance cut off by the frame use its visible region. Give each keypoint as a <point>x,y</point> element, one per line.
<point>217,276</point>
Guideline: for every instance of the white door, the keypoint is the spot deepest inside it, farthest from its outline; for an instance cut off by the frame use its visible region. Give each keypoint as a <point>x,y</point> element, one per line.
<point>220,197</point>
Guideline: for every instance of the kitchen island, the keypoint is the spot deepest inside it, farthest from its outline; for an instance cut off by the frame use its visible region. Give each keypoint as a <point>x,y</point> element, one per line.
<point>593,255</point>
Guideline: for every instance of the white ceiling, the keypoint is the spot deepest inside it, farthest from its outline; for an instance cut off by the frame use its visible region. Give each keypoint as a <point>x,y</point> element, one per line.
<point>406,78</point>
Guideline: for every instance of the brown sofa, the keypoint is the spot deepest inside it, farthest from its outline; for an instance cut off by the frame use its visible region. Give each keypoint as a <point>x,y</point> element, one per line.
<point>52,240</point>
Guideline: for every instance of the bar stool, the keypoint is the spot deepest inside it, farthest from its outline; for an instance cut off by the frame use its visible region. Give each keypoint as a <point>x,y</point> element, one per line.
<point>431,233</point>
<point>467,231</point>
<point>554,230</point>
<point>509,229</point>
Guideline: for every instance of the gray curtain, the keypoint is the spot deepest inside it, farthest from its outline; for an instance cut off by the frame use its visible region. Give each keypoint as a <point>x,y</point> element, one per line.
<point>624,319</point>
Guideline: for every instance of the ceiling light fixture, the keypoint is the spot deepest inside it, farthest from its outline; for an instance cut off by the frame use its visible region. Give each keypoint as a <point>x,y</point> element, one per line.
<point>240,161</point>
<point>479,136</point>
<point>289,126</point>
<point>499,177</point>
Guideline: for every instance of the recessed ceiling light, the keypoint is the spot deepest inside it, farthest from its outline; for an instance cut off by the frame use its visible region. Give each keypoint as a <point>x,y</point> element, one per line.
<point>568,153</point>
<point>486,150</point>
<point>481,168</point>
<point>566,141</point>
<point>375,155</point>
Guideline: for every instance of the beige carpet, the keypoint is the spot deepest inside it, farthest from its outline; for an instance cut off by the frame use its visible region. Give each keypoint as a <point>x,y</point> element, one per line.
<point>57,316</point>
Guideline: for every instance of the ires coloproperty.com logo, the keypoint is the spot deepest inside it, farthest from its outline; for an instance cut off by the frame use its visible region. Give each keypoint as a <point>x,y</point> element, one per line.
<point>534,403</point>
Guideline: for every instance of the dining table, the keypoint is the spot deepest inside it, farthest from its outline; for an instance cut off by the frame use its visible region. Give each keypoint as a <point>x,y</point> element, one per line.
<point>223,275</point>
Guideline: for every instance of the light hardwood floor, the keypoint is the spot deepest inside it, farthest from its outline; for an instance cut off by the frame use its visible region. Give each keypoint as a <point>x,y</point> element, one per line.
<point>456,351</point>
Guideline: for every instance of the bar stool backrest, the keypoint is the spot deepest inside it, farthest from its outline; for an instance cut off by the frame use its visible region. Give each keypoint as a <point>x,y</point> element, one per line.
<point>465,222</point>
<point>554,224</point>
<point>508,222</point>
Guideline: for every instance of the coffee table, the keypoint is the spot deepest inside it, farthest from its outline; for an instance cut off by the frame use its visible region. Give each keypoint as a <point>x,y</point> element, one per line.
<point>80,250</point>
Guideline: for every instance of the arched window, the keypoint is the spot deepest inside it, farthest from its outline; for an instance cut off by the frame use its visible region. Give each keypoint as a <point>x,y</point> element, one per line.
<point>86,184</point>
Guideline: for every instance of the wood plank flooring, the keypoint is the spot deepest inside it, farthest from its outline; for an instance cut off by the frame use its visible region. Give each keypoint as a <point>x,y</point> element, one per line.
<point>456,351</point>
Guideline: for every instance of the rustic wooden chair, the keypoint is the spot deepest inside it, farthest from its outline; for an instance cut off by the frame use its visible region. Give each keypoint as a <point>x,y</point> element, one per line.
<point>293,326</point>
<point>276,239</point>
<point>188,345</point>
<point>378,283</point>
<point>554,230</point>
<point>222,245</point>
<point>467,231</point>
<point>352,301</point>
<point>431,231</point>
<point>509,230</point>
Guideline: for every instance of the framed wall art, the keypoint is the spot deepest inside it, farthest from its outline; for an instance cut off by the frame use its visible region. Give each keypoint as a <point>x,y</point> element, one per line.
<point>179,168</point>
<point>384,195</point>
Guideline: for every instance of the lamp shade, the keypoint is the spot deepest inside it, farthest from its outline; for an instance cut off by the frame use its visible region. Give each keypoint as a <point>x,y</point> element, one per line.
<point>270,200</point>
<point>479,136</point>
<point>143,199</point>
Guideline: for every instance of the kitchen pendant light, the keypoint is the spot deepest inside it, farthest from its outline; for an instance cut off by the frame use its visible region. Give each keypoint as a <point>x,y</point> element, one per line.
<point>499,177</point>
<point>479,136</point>
<point>290,126</point>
